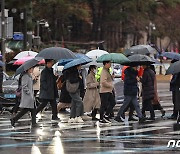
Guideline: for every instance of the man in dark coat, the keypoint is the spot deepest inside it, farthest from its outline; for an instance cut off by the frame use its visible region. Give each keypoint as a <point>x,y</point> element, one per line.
<point>130,93</point>
<point>48,89</point>
<point>147,81</point>
<point>177,97</point>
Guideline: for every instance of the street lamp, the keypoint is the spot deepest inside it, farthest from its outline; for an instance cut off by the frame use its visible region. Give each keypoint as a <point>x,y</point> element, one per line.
<point>150,28</point>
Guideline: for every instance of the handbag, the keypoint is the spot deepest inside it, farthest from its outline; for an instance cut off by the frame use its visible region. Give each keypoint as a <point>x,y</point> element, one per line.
<point>72,87</point>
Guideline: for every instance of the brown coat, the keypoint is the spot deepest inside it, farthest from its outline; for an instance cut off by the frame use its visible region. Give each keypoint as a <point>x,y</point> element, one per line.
<point>91,99</point>
<point>106,81</point>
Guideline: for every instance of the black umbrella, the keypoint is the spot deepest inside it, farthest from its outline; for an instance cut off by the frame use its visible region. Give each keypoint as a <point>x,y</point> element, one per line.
<point>28,64</point>
<point>56,53</point>
<point>139,59</point>
<point>171,55</point>
<point>174,68</point>
<point>140,49</point>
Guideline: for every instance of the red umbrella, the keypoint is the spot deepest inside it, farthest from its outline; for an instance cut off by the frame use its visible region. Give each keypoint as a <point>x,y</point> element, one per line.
<point>24,59</point>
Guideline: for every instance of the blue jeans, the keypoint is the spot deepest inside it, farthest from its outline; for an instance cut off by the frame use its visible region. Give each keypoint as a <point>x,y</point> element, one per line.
<point>127,101</point>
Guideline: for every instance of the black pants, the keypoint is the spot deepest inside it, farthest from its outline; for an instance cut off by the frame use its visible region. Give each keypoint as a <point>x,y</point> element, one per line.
<point>147,105</point>
<point>23,112</point>
<point>175,112</point>
<point>107,104</point>
<point>44,104</point>
<point>16,106</point>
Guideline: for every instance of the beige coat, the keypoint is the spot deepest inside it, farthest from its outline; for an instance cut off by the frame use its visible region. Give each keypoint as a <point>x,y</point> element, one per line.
<point>36,76</point>
<point>106,81</point>
<point>91,99</point>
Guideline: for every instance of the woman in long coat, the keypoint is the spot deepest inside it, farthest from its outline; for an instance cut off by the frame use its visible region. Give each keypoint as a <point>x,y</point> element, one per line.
<point>92,99</point>
<point>27,98</point>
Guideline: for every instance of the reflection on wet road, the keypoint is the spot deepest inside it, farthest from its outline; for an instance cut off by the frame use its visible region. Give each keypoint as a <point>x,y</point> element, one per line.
<point>54,137</point>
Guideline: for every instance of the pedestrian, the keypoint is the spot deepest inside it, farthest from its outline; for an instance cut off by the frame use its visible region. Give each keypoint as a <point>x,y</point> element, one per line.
<point>92,99</point>
<point>148,93</point>
<point>156,101</point>
<point>1,79</point>
<point>48,89</point>
<point>106,95</point>
<point>74,81</point>
<point>65,98</point>
<point>27,102</point>
<point>173,89</point>
<point>177,97</point>
<point>130,93</point>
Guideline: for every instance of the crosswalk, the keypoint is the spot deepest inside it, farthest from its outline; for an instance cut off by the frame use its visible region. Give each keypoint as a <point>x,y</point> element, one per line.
<point>52,137</point>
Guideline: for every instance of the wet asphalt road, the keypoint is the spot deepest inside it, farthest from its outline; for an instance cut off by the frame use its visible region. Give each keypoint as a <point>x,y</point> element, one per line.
<point>55,137</point>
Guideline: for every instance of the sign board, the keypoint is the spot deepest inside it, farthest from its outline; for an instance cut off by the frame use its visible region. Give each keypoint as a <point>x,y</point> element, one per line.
<point>8,27</point>
<point>18,36</point>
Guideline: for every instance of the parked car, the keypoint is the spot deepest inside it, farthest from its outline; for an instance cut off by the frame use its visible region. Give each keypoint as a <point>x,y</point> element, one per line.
<point>10,84</point>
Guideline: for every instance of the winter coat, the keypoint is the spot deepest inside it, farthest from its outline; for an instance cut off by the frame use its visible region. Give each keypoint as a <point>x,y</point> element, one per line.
<point>27,93</point>
<point>147,81</point>
<point>177,91</point>
<point>91,99</point>
<point>130,82</point>
<point>48,86</point>
<point>106,81</point>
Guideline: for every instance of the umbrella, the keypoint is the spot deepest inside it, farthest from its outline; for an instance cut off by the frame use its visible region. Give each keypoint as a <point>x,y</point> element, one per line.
<point>63,62</point>
<point>27,65</point>
<point>171,55</point>
<point>24,54</point>
<point>24,59</point>
<point>1,63</point>
<point>94,54</point>
<point>118,58</point>
<point>75,62</point>
<point>56,53</point>
<point>139,59</point>
<point>173,68</point>
<point>140,49</point>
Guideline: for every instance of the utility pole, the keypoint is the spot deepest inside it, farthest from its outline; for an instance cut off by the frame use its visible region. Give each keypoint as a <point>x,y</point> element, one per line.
<point>3,34</point>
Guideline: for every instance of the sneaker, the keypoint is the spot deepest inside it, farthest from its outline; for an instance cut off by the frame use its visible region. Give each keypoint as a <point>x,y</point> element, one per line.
<point>71,120</point>
<point>103,121</point>
<point>118,119</point>
<point>132,119</point>
<point>150,118</point>
<point>95,119</point>
<point>79,120</point>
<point>106,118</point>
<point>142,120</point>
<point>55,118</point>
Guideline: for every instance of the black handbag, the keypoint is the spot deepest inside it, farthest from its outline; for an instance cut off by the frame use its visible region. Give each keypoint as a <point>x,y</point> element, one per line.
<point>72,87</point>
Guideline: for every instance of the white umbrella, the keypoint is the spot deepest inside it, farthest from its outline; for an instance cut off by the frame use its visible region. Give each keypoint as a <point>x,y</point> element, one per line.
<point>94,54</point>
<point>24,54</point>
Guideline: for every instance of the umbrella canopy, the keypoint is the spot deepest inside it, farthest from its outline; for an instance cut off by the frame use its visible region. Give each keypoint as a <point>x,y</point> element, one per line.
<point>56,53</point>
<point>139,59</point>
<point>28,64</point>
<point>25,54</point>
<point>24,59</point>
<point>94,54</point>
<point>173,68</point>
<point>140,49</point>
<point>1,63</point>
<point>118,58</point>
<point>171,55</point>
<point>63,62</point>
<point>75,62</point>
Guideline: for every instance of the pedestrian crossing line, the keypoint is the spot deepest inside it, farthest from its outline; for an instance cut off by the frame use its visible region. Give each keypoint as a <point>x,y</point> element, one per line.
<point>145,130</point>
